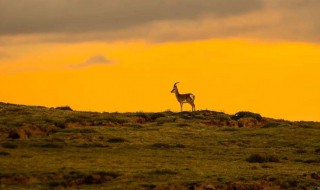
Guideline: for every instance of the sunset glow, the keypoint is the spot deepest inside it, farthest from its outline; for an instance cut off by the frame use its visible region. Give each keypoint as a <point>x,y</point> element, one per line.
<point>276,77</point>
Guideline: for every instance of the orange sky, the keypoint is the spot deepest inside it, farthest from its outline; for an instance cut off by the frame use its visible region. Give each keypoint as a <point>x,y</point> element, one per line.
<point>275,79</point>
<point>104,55</point>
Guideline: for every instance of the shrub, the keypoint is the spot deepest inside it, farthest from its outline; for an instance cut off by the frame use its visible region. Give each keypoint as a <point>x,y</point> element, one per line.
<point>75,178</point>
<point>51,145</point>
<point>92,145</point>
<point>9,145</point>
<point>164,172</point>
<point>155,116</point>
<point>244,114</point>
<point>117,120</point>
<point>160,145</point>
<point>183,125</point>
<point>222,117</point>
<point>231,129</point>
<point>137,126</point>
<point>84,130</point>
<point>166,146</point>
<point>2,153</point>
<point>180,146</point>
<point>164,120</point>
<point>107,173</point>
<point>310,161</point>
<point>289,183</point>
<point>145,116</point>
<point>261,158</point>
<point>271,124</point>
<point>150,117</point>
<point>187,115</point>
<point>60,124</point>
<point>65,108</point>
<point>117,140</point>
<point>301,151</point>
<point>17,134</point>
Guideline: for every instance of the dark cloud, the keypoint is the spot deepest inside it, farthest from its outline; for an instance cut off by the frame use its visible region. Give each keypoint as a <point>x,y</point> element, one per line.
<point>157,20</point>
<point>79,16</point>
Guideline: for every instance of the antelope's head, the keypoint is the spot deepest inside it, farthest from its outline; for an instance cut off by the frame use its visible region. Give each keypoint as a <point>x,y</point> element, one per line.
<point>174,87</point>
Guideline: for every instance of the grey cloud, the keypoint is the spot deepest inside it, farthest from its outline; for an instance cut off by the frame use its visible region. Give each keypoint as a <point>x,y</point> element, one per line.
<point>157,20</point>
<point>80,16</point>
<point>94,60</point>
<point>98,59</point>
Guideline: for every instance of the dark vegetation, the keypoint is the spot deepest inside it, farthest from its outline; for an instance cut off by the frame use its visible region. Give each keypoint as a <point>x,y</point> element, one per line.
<point>3,153</point>
<point>116,140</point>
<point>58,148</point>
<point>66,108</point>
<point>261,158</point>
<point>246,114</point>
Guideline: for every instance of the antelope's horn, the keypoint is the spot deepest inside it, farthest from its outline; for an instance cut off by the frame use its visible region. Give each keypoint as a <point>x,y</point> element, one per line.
<point>176,83</point>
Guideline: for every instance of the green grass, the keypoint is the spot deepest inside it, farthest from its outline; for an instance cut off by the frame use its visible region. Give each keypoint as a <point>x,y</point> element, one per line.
<point>92,151</point>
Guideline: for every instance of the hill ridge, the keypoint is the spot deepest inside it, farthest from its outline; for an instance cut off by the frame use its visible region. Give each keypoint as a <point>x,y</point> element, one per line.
<point>23,121</point>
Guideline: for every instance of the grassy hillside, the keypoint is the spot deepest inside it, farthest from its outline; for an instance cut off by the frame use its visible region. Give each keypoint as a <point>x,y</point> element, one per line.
<point>48,148</point>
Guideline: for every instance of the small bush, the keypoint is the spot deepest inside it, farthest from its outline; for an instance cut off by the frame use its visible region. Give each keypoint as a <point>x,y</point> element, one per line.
<point>120,121</point>
<point>136,126</point>
<point>65,108</point>
<point>231,129</point>
<point>9,145</point>
<point>150,117</point>
<point>189,115</point>
<point>307,124</point>
<point>92,145</point>
<point>51,145</point>
<point>289,183</point>
<point>163,120</point>
<point>317,150</point>
<point>160,145</point>
<point>60,124</point>
<point>266,166</point>
<point>117,140</point>
<point>166,146</point>
<point>183,125</point>
<point>301,151</point>
<point>145,116</point>
<point>85,130</point>
<point>310,161</point>
<point>155,116</point>
<point>107,173</point>
<point>75,178</point>
<point>244,114</point>
<point>164,172</point>
<point>222,117</point>
<point>180,146</point>
<point>3,153</point>
<point>261,158</point>
<point>271,125</point>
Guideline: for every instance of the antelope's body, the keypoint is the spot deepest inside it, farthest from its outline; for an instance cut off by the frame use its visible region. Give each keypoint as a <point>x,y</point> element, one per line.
<point>184,98</point>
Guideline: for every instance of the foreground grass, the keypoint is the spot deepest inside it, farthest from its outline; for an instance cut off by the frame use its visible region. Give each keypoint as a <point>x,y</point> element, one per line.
<point>146,152</point>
